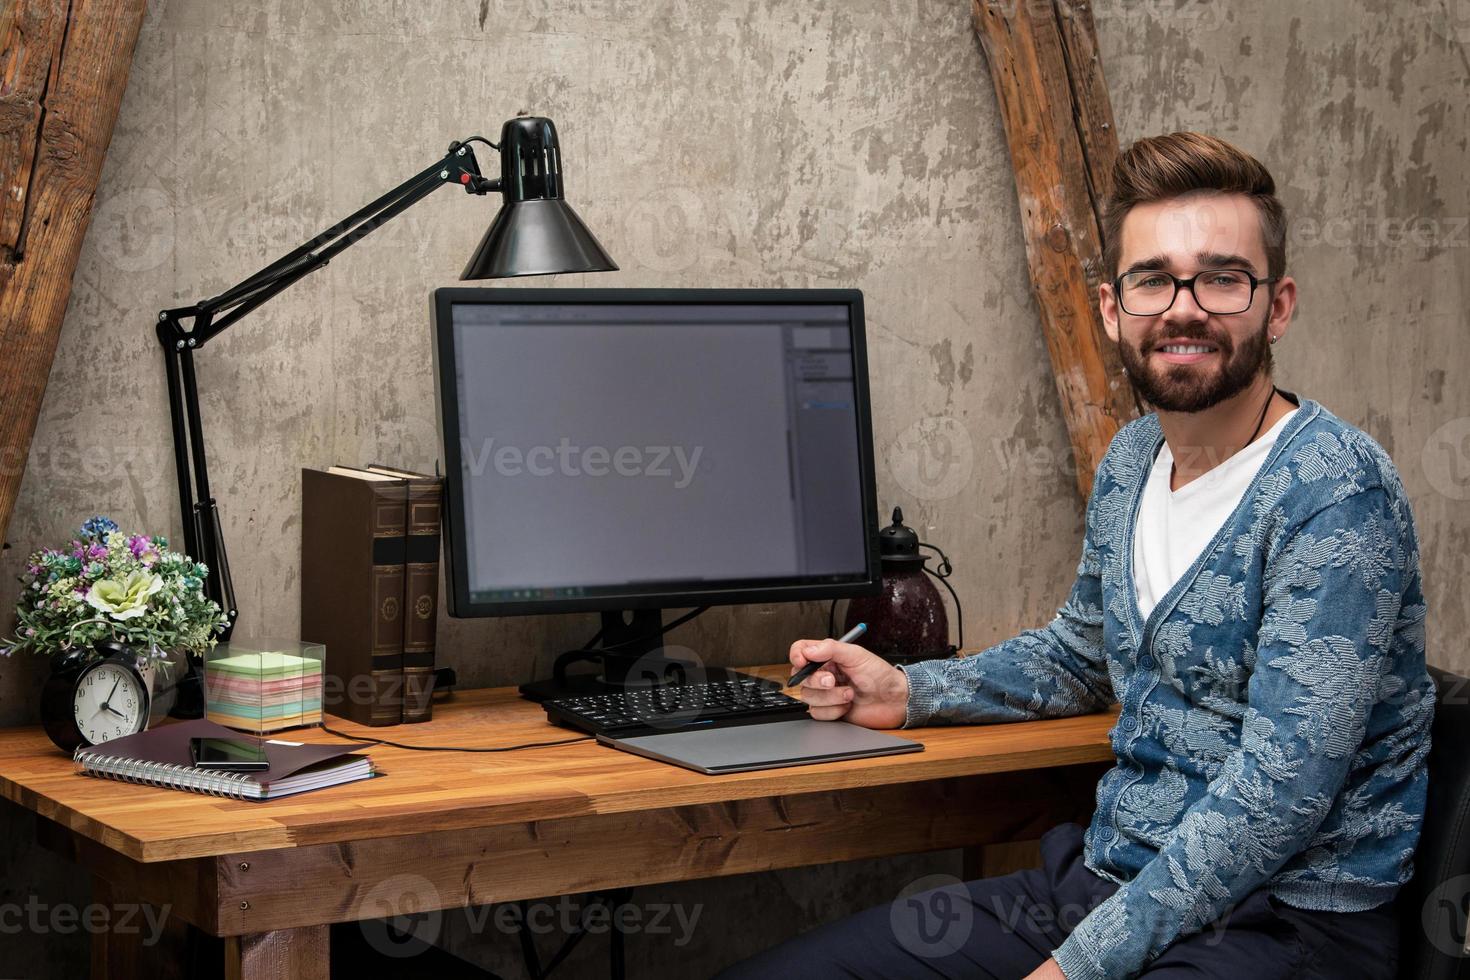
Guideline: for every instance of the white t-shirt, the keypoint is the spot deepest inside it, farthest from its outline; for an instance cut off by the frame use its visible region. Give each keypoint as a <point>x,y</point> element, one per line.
<point>1175,525</point>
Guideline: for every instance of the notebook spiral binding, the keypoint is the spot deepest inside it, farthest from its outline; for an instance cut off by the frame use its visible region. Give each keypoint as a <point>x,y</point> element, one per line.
<point>232,785</point>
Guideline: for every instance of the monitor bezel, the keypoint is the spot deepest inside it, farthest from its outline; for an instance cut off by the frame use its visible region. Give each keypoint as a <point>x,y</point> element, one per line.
<point>677,595</point>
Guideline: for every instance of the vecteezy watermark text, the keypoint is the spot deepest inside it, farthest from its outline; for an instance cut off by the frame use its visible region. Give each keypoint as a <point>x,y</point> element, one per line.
<point>568,459</point>
<point>63,918</point>
<point>413,917</point>
<point>567,914</point>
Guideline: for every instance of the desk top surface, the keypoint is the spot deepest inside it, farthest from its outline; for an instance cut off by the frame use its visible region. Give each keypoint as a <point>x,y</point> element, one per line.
<point>435,791</point>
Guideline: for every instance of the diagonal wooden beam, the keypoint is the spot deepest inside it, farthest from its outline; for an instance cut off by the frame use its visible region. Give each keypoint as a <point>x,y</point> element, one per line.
<point>63,67</point>
<point>1059,127</point>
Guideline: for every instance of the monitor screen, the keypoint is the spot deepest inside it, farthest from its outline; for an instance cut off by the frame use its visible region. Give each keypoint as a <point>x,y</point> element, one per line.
<point>637,448</point>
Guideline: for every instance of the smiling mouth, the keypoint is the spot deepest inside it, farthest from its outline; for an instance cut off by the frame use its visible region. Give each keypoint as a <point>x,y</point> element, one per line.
<point>1186,349</point>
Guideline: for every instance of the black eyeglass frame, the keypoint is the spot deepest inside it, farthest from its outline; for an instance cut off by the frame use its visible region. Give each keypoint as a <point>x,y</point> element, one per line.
<point>1189,284</point>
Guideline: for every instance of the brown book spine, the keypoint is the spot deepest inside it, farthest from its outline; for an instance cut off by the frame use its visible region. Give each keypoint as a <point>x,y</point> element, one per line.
<point>352,588</point>
<point>421,603</point>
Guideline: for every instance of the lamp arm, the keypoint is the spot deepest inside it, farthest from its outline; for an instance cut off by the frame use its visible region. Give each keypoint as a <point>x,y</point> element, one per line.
<point>457,166</point>
<point>203,533</point>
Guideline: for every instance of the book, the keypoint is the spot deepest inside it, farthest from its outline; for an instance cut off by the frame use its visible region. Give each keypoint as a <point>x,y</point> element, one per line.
<point>421,589</point>
<point>160,757</point>
<point>353,526</point>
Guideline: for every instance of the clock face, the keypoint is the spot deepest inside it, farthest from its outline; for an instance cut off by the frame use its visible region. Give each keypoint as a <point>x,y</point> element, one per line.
<point>109,702</point>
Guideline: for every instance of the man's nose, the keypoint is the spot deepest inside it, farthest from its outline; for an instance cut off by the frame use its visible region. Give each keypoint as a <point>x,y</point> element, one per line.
<point>1185,308</point>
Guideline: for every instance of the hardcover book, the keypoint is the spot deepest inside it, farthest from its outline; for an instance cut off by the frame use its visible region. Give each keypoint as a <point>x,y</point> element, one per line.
<point>421,589</point>
<point>353,544</point>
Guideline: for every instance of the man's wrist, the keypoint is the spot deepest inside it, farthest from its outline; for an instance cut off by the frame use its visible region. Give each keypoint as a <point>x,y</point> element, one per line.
<point>1071,961</point>
<point>922,697</point>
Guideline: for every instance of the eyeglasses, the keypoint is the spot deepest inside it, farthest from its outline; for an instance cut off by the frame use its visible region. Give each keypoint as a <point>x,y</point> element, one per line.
<point>1218,291</point>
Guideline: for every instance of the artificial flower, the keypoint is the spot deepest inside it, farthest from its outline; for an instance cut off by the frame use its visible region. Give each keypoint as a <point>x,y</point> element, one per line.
<point>127,599</point>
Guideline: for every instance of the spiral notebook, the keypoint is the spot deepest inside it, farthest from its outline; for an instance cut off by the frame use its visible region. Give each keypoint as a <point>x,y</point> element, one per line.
<point>160,757</point>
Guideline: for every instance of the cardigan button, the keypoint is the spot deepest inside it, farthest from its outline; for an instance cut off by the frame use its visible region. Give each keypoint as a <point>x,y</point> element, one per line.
<point>1146,662</point>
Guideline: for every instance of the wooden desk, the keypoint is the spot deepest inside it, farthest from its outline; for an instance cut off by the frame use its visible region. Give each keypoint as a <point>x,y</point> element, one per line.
<point>474,829</point>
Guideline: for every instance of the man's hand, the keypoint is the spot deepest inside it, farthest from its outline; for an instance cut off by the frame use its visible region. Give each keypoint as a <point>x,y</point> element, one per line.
<point>1047,971</point>
<point>855,684</point>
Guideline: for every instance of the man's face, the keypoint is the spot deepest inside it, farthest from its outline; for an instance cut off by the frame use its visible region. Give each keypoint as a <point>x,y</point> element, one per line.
<point>1161,352</point>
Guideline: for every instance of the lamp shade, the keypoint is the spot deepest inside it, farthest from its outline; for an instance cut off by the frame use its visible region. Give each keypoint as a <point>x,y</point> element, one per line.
<point>536,232</point>
<point>536,238</point>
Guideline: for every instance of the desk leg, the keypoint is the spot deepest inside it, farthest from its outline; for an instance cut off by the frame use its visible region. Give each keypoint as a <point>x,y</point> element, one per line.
<point>114,956</point>
<point>129,949</point>
<point>286,954</point>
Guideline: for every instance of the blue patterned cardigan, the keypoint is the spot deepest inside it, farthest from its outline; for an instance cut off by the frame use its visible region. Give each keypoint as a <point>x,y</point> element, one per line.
<point>1275,708</point>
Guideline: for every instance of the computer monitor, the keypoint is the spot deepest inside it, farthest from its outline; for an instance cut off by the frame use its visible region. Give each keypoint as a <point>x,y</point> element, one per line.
<point>630,450</point>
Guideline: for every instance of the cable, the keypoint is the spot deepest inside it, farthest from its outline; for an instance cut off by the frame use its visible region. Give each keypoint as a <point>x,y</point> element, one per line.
<point>617,965</point>
<point>529,956</point>
<point>452,748</point>
<point>593,652</point>
<point>610,901</point>
<point>656,633</point>
<point>588,651</point>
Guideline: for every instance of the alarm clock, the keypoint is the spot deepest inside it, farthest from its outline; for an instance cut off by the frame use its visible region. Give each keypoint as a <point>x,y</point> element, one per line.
<point>88,700</point>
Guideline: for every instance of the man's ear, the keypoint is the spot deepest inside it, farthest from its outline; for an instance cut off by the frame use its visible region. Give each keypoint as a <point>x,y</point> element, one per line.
<point>1283,304</point>
<point>1107,304</point>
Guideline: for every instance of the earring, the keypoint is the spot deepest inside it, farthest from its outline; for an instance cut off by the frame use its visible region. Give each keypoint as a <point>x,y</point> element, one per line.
<point>1274,338</point>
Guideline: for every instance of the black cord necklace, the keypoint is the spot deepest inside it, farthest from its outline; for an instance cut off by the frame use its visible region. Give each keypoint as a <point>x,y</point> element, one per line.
<point>1260,421</point>
<point>1174,467</point>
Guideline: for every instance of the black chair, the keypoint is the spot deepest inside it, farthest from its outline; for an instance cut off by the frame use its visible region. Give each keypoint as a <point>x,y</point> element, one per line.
<point>1434,906</point>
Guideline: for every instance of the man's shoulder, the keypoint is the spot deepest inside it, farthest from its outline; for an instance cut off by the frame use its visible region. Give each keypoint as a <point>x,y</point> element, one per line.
<point>1337,459</point>
<point>1131,451</point>
<point>1320,453</point>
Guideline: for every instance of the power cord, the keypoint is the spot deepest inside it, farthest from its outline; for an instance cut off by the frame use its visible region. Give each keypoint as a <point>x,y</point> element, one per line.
<point>452,748</point>
<point>587,652</point>
<point>610,900</point>
<point>591,651</point>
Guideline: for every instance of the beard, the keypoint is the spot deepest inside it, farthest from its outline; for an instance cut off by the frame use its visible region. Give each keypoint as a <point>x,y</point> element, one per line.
<point>1196,387</point>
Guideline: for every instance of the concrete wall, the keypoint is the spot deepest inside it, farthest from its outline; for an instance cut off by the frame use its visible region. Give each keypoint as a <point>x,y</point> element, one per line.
<point>723,143</point>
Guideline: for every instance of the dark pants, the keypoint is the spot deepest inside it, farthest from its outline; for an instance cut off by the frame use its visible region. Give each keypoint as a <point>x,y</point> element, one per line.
<point>1003,928</point>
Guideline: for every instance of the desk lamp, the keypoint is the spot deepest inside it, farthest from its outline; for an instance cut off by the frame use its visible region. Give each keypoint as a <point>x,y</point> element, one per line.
<point>535,233</point>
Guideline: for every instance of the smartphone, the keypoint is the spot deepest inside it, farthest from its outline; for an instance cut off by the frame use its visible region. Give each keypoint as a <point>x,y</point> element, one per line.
<point>229,754</point>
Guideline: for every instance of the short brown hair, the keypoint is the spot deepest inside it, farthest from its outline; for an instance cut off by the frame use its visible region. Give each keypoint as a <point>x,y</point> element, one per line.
<point>1158,168</point>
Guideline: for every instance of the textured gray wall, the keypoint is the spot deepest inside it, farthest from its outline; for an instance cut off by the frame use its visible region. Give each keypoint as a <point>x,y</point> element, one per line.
<point>721,143</point>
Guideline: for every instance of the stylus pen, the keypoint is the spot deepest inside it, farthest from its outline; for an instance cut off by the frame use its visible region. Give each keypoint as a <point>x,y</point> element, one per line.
<point>816,665</point>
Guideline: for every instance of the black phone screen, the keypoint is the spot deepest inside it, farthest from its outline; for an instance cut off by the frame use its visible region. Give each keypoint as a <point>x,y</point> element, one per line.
<point>230,754</point>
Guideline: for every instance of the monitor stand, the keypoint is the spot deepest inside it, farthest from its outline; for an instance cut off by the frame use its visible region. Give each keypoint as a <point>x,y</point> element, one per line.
<point>631,656</point>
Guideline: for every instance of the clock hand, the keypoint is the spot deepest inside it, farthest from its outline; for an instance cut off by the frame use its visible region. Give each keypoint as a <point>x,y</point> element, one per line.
<point>106,702</point>
<point>114,710</point>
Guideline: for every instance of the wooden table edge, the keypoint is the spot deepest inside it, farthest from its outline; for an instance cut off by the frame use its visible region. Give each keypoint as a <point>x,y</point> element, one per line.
<point>213,845</point>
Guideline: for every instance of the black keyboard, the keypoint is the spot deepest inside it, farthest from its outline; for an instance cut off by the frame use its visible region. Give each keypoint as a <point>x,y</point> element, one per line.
<point>653,710</point>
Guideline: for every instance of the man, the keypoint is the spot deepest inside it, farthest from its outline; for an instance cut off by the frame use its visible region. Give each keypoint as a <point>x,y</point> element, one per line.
<point>1248,593</point>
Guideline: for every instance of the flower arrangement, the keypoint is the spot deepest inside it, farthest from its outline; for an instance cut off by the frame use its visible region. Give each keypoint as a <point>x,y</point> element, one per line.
<point>106,585</point>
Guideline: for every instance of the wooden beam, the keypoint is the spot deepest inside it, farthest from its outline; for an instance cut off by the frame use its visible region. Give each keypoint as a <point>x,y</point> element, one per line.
<point>289,954</point>
<point>261,892</point>
<point>63,67</point>
<point>1059,127</point>
<point>188,889</point>
<point>289,887</point>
